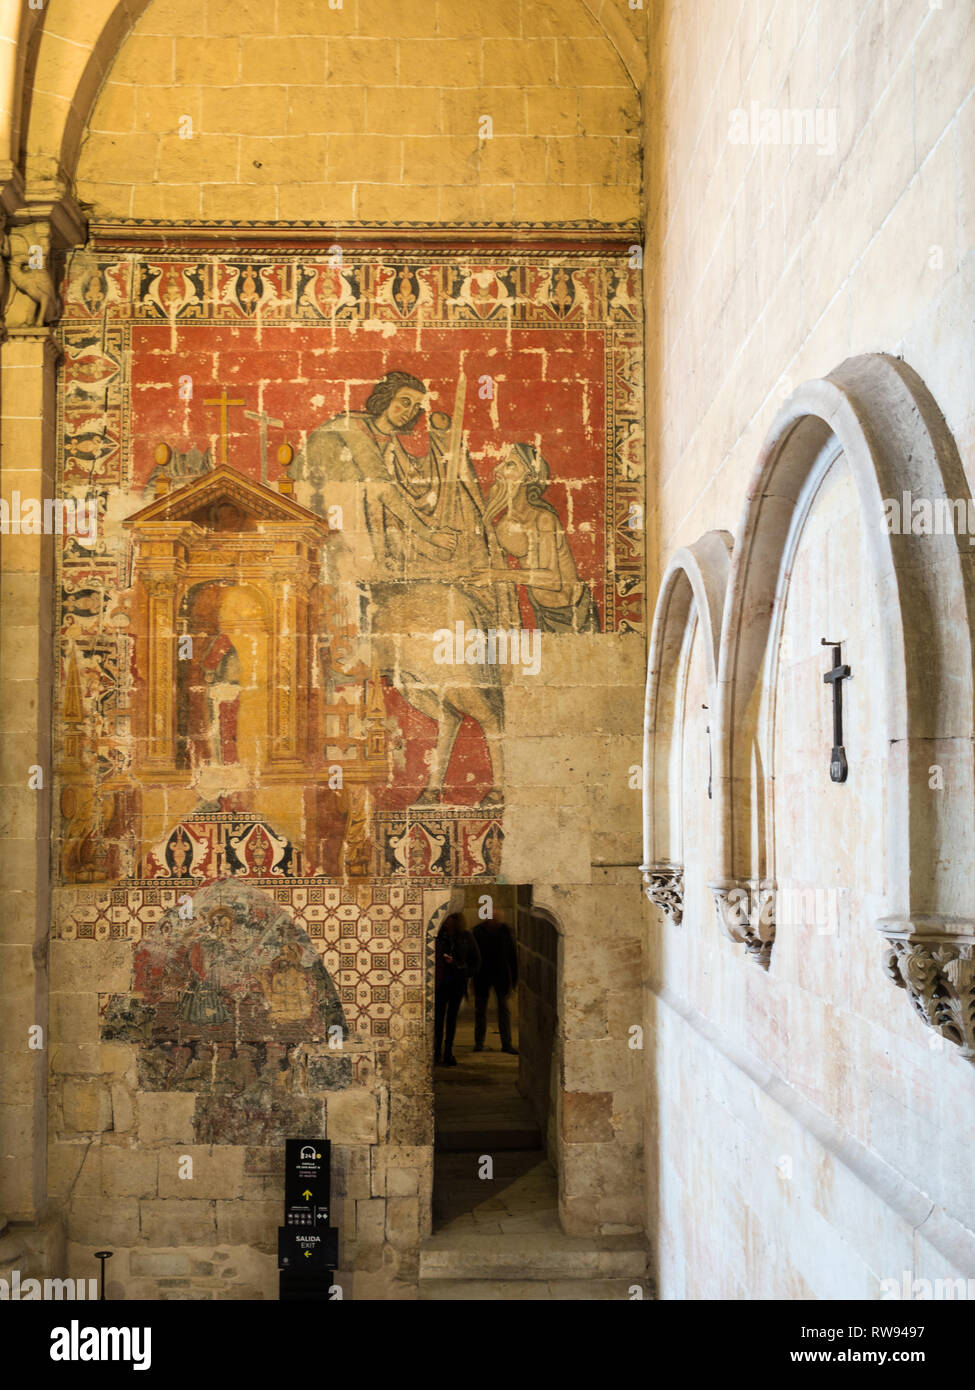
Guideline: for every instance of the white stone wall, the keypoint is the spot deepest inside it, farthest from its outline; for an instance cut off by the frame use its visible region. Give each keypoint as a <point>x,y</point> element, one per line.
<point>813,1137</point>
<point>776,262</point>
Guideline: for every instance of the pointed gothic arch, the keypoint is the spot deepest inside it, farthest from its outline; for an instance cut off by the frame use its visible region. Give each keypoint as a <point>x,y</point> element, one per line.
<point>877,411</point>
<point>692,592</point>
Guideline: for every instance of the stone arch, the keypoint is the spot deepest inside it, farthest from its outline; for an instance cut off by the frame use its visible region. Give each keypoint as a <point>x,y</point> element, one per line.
<point>78,45</point>
<point>692,592</point>
<point>21,28</point>
<point>611,17</point>
<point>877,411</point>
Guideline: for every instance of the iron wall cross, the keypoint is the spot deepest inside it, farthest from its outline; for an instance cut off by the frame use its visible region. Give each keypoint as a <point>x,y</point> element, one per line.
<point>837,764</point>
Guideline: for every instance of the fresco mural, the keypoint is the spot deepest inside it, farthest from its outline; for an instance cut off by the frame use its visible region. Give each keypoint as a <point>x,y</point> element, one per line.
<point>310,468</point>
<point>449,440</point>
<point>227,994</point>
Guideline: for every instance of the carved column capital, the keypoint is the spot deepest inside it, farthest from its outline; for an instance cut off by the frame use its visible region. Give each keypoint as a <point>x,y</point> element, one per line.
<point>36,231</point>
<point>937,971</point>
<point>664,886</point>
<point>746,914</point>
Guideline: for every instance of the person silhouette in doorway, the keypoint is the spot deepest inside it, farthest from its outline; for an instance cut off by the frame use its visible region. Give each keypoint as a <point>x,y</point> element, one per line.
<point>457,960</point>
<point>498,971</point>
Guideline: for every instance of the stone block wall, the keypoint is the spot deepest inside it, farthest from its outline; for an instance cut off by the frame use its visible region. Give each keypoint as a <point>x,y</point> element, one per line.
<point>600,1098</point>
<point>189,1220</point>
<point>810,1134</point>
<point>524,112</point>
<point>538,962</point>
<point>778,257</point>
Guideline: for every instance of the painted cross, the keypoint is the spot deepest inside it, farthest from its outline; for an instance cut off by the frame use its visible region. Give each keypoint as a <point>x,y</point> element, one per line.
<point>224,403</point>
<point>265,420</point>
<point>837,763</point>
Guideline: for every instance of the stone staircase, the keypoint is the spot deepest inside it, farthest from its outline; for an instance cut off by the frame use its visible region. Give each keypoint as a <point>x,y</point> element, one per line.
<point>468,1264</point>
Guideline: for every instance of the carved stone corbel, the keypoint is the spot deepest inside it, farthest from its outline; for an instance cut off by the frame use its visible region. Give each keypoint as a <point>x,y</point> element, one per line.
<point>37,230</point>
<point>938,975</point>
<point>664,886</point>
<point>32,300</point>
<point>746,914</point>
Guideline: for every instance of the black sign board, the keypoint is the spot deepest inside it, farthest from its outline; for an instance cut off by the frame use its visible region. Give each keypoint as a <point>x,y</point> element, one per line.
<point>316,1249</point>
<point>307,1164</point>
<point>305,1217</point>
<point>304,1286</point>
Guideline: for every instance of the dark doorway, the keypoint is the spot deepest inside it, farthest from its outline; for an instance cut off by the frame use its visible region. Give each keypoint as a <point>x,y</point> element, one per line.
<point>491,1170</point>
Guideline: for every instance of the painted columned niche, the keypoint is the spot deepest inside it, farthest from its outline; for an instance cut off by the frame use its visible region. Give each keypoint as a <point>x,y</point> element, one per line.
<point>369,528</point>
<point>811,985</point>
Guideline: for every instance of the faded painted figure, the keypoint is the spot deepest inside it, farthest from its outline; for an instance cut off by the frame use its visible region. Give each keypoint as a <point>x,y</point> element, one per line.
<point>529,528</point>
<point>413,536</point>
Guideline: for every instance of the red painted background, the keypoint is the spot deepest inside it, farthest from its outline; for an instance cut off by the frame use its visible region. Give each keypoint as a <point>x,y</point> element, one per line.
<point>550,390</point>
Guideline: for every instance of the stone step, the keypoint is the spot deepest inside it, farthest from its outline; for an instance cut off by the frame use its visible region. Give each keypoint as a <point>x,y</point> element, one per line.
<point>536,1290</point>
<point>545,1256</point>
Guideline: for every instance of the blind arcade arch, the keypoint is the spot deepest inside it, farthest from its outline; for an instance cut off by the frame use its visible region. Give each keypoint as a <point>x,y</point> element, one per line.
<point>877,412</point>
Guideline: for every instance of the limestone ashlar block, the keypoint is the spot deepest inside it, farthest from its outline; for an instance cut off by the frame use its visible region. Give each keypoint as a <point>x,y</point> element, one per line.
<point>601,1170</point>
<point>105,966</point>
<point>86,1106</point>
<point>64,1162</point>
<point>403,1222</point>
<point>104,1222</point>
<point>210,1172</point>
<point>342,110</point>
<point>168,1221</point>
<point>284,60</point>
<point>266,1161</point>
<point>580,1215</point>
<point>202,64</point>
<point>587,1117</point>
<point>352,1118</point>
<point>603,1065</point>
<point>586,1013</point>
<point>351,1170</point>
<point>129,1172</point>
<point>166,1118</point>
<point>160,1263</point>
<point>252,1223</point>
<point>123,1111</point>
<point>500,19</point>
<point>370,1221</point>
<point>398,1169</point>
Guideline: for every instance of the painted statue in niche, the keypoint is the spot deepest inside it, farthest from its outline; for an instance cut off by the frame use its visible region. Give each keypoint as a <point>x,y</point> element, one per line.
<point>220,668</point>
<point>226,1003</point>
<point>424,516</point>
<point>227,626</point>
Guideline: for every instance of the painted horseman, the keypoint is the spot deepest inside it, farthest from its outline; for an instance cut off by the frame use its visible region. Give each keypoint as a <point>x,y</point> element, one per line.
<point>426,536</point>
